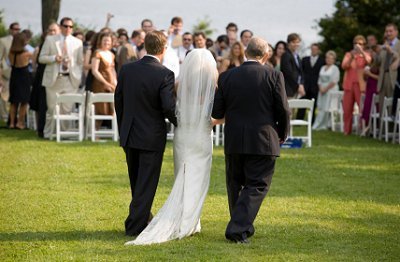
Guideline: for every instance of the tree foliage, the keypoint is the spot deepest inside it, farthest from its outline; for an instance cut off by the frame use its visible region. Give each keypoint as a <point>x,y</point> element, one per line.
<point>204,25</point>
<point>50,12</point>
<point>3,28</point>
<point>353,17</point>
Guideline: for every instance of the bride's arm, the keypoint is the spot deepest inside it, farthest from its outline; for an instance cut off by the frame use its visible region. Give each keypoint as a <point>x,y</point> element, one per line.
<point>217,121</point>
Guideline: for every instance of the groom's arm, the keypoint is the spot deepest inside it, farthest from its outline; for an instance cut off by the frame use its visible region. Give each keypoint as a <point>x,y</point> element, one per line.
<point>167,96</point>
<point>218,111</point>
<point>118,98</point>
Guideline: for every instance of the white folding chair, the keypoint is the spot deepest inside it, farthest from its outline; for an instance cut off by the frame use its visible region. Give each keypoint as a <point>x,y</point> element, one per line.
<point>396,134</point>
<point>374,115</point>
<point>302,104</point>
<point>336,109</point>
<point>218,135</point>
<point>92,117</point>
<point>386,118</point>
<point>71,116</point>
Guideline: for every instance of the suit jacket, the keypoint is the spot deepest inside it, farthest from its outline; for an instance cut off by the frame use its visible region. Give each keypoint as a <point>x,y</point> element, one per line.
<point>291,72</point>
<point>392,71</point>
<point>252,99</point>
<point>144,97</point>
<point>5,45</point>
<point>53,46</point>
<point>311,74</point>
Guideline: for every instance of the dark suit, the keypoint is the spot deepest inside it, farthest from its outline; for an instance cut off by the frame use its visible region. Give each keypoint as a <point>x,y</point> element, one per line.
<point>253,101</point>
<point>311,74</point>
<point>143,99</point>
<point>292,72</point>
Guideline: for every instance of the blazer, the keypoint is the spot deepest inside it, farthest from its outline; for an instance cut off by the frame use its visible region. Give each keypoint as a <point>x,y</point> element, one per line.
<point>392,71</point>
<point>311,74</point>
<point>252,99</point>
<point>144,97</point>
<point>52,46</point>
<point>291,72</point>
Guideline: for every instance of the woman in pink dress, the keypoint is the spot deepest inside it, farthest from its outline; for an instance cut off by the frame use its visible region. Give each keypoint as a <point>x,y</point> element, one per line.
<point>353,64</point>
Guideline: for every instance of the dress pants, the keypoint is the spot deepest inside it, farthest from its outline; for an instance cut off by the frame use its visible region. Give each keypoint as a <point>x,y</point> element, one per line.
<point>62,85</point>
<point>350,96</point>
<point>248,178</point>
<point>144,172</point>
<point>4,95</point>
<point>386,89</point>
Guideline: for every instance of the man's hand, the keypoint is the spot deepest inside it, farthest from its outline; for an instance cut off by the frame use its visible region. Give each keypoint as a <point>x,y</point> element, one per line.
<point>301,91</point>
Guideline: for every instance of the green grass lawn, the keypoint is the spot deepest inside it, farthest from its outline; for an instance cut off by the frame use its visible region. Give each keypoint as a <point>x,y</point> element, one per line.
<point>336,201</point>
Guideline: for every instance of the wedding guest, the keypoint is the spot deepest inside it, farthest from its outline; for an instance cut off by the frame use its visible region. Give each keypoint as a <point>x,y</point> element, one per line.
<point>38,93</point>
<point>103,70</point>
<point>187,44</point>
<point>199,39</point>
<point>280,48</point>
<point>372,45</point>
<point>87,61</point>
<point>175,32</point>
<point>80,35</point>
<point>371,73</point>
<point>329,76</point>
<point>221,48</point>
<point>353,81</point>
<point>20,80</point>
<point>63,56</point>
<point>147,25</point>
<point>125,52</point>
<point>270,54</point>
<point>137,40</point>
<point>387,59</point>
<point>291,68</point>
<point>245,37</point>
<point>311,66</point>
<point>235,58</point>
<point>5,67</point>
<point>231,32</point>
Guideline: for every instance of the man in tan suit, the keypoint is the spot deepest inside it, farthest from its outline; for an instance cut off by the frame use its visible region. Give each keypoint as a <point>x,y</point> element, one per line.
<point>387,58</point>
<point>5,68</point>
<point>63,56</point>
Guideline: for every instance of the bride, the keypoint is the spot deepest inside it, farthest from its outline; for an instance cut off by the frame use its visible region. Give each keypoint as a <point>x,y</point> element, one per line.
<point>180,215</point>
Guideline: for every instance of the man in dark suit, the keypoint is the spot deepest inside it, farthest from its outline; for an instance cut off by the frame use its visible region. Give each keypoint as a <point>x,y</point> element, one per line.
<point>143,99</point>
<point>253,101</point>
<point>311,66</point>
<point>291,68</point>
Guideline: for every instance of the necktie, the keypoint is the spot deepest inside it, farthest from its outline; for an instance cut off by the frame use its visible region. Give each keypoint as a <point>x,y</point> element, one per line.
<point>65,58</point>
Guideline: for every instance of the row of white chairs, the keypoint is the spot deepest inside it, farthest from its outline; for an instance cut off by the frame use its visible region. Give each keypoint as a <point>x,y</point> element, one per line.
<point>380,124</point>
<point>85,111</point>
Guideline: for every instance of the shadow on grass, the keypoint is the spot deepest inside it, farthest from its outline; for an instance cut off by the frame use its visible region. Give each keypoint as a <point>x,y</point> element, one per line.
<point>104,235</point>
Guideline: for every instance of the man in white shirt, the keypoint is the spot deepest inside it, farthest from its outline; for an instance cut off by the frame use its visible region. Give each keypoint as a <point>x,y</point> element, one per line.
<point>175,32</point>
<point>199,39</point>
<point>187,44</point>
<point>245,37</point>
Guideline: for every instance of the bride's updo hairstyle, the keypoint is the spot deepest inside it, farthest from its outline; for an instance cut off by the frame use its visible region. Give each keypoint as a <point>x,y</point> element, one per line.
<point>257,48</point>
<point>155,42</point>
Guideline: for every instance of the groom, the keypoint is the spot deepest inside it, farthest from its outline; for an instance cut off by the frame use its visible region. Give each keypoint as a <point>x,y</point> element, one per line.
<point>143,99</point>
<point>252,98</point>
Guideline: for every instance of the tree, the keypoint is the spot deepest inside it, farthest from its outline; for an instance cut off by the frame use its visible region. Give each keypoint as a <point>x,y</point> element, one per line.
<point>3,28</point>
<point>354,17</point>
<point>204,26</point>
<point>50,12</point>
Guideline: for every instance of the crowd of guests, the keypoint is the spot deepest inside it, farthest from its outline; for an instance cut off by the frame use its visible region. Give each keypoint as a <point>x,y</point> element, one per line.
<point>68,61</point>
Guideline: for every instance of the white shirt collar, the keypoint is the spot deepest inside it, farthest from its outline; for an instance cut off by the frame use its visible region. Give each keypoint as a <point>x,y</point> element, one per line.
<point>158,59</point>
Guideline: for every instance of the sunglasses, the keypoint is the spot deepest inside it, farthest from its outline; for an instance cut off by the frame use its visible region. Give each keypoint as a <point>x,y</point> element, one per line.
<point>68,26</point>
<point>359,43</point>
<point>16,29</point>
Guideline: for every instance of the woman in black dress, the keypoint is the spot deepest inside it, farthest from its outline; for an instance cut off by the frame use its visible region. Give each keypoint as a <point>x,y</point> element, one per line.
<point>20,81</point>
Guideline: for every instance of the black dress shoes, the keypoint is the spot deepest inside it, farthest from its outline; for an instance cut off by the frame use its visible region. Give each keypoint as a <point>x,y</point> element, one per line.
<point>238,240</point>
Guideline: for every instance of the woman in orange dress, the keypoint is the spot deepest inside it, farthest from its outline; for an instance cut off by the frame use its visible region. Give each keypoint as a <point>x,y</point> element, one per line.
<point>103,70</point>
<point>353,64</point>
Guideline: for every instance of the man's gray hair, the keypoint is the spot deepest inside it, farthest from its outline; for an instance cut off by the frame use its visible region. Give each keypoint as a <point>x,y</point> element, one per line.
<point>257,48</point>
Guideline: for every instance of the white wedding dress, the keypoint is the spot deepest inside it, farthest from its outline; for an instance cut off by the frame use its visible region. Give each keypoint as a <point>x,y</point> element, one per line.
<point>180,215</point>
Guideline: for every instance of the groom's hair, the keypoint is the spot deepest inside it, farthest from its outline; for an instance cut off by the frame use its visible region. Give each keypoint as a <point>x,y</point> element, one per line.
<point>155,42</point>
<point>257,48</point>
